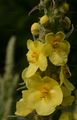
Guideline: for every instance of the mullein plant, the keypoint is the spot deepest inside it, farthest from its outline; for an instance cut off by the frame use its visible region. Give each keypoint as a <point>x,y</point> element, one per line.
<point>8,81</point>
<point>46,77</point>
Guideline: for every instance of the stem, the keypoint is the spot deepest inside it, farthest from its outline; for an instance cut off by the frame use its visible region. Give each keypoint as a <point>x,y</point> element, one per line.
<point>53,2</point>
<point>70,32</point>
<point>37,117</point>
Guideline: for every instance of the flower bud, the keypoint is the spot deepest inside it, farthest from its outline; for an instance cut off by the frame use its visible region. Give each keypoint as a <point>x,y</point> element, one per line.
<point>44,20</point>
<point>35,28</point>
<point>64,8</point>
<point>67,22</point>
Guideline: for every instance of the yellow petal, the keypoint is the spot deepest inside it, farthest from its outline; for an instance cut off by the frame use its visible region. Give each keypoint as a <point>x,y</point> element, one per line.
<point>69,85</point>
<point>33,82</point>
<point>47,49</point>
<point>22,108</point>
<point>31,70</point>
<point>65,46</point>
<point>58,58</point>
<point>56,95</point>
<point>49,37</point>
<point>44,107</point>
<point>39,45</point>
<point>24,74</point>
<point>42,62</point>
<point>30,44</point>
<point>68,100</point>
<point>55,92</point>
<point>49,82</point>
<point>60,35</point>
<point>31,97</point>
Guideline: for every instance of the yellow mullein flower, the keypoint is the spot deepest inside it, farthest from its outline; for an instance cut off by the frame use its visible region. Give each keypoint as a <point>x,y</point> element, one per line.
<point>59,48</point>
<point>43,95</point>
<point>36,57</point>
<point>66,116</point>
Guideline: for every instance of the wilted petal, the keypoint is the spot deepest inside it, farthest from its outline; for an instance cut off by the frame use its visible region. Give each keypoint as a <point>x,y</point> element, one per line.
<point>66,91</point>
<point>69,85</point>
<point>68,100</point>
<point>66,116</point>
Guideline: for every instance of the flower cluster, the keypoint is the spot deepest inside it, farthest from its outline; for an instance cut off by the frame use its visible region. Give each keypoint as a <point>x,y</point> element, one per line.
<point>43,95</point>
<point>53,47</point>
<point>46,76</point>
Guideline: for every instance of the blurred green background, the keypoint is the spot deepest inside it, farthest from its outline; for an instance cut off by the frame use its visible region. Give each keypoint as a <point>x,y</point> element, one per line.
<point>14,20</point>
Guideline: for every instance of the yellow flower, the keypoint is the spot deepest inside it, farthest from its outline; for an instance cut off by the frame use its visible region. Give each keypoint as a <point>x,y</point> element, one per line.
<point>66,116</point>
<point>43,95</point>
<point>35,28</point>
<point>36,57</point>
<point>59,48</point>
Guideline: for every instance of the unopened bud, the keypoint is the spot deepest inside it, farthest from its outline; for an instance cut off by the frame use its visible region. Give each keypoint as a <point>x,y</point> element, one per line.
<point>67,22</point>
<point>35,28</point>
<point>44,20</point>
<point>64,8</point>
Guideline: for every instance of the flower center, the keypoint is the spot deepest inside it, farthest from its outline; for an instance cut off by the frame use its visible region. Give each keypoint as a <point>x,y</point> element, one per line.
<point>33,57</point>
<point>55,42</point>
<point>44,92</point>
<point>34,54</point>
